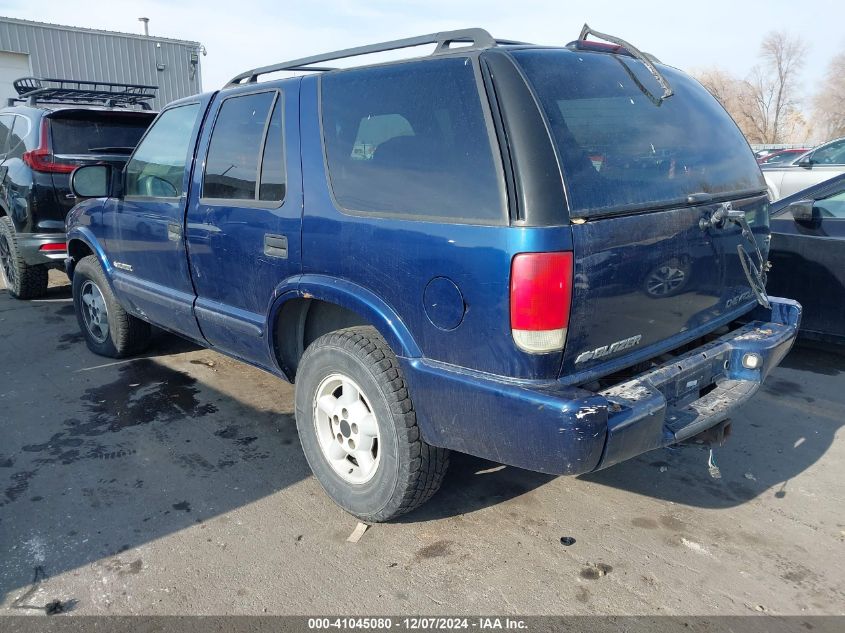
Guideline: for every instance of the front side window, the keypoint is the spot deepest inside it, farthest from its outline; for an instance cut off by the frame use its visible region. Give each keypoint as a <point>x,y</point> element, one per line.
<point>235,149</point>
<point>411,140</point>
<point>157,169</point>
<point>833,154</point>
<point>833,206</point>
<point>619,148</point>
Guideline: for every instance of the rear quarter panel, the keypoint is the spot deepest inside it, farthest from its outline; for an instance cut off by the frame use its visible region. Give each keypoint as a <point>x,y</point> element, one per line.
<point>396,259</point>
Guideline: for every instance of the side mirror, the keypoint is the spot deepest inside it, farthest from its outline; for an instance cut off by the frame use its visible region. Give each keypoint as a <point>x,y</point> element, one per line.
<point>92,181</point>
<point>806,162</point>
<point>805,212</point>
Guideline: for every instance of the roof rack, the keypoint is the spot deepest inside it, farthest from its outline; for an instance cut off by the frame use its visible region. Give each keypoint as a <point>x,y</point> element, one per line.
<point>478,39</point>
<point>44,90</point>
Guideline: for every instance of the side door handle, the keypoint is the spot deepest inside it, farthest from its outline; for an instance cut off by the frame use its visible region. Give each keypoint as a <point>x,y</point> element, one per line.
<point>276,246</point>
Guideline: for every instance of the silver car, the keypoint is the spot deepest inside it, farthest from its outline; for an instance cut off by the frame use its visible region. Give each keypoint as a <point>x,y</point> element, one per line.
<point>817,165</point>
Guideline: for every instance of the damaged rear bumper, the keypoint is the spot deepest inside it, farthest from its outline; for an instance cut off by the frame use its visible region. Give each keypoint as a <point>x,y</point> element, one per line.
<point>560,429</point>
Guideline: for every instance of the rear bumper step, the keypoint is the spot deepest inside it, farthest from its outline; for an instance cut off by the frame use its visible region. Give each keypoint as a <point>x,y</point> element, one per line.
<point>666,405</point>
<point>560,429</point>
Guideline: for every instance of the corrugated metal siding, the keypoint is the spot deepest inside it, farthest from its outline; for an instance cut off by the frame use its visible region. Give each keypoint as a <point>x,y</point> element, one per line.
<point>68,53</point>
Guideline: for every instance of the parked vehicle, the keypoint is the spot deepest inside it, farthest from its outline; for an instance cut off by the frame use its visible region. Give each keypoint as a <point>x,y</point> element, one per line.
<point>781,156</point>
<point>54,127</point>
<point>762,153</point>
<point>808,256</point>
<point>811,168</point>
<point>399,240</point>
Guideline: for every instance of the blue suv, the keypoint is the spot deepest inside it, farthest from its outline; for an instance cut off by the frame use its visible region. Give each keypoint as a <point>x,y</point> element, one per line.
<point>553,258</point>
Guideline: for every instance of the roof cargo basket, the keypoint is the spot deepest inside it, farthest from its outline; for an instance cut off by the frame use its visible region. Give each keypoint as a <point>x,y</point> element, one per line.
<point>468,39</point>
<point>35,90</point>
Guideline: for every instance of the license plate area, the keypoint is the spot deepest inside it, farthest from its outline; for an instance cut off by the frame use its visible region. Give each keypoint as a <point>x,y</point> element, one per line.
<point>692,383</point>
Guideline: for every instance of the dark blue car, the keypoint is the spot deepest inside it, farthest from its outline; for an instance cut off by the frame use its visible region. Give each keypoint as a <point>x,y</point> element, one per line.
<point>808,256</point>
<point>535,255</point>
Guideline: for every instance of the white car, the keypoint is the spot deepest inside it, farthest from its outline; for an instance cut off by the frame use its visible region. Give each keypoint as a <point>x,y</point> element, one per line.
<point>817,165</point>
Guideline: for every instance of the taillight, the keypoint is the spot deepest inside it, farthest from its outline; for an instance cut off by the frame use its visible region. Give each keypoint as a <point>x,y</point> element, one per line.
<point>42,158</point>
<point>541,293</point>
<point>56,247</point>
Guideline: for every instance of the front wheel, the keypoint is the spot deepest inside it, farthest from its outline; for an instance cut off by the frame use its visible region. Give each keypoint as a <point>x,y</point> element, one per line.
<point>358,427</point>
<point>108,329</point>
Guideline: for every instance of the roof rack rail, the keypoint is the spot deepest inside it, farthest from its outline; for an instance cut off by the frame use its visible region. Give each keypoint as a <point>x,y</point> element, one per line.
<point>45,90</point>
<point>478,39</point>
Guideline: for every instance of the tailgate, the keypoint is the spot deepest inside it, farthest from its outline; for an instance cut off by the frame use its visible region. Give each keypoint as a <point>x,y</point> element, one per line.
<point>649,282</point>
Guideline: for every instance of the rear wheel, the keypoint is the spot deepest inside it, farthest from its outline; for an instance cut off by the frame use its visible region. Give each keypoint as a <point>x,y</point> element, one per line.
<point>358,427</point>
<point>108,329</point>
<point>22,280</point>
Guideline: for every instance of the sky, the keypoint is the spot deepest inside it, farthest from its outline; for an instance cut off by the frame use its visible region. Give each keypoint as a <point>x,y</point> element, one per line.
<point>242,34</point>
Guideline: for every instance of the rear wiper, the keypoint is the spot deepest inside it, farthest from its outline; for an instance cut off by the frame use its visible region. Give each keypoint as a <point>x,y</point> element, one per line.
<point>111,150</point>
<point>638,54</point>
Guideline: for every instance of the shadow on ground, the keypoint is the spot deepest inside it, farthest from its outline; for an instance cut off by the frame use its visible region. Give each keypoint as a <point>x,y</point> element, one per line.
<point>99,457</point>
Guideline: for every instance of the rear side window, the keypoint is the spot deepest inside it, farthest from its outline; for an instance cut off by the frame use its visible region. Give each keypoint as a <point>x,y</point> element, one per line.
<point>234,153</point>
<point>20,130</point>
<point>619,148</point>
<point>411,140</point>
<point>97,135</point>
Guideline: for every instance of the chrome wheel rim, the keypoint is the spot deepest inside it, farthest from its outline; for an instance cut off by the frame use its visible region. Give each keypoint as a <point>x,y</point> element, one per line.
<point>347,429</point>
<point>664,280</point>
<point>6,263</point>
<point>94,312</point>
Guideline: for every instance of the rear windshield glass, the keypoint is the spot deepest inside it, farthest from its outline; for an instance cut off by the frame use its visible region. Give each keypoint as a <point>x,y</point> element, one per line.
<point>620,149</point>
<point>97,135</point>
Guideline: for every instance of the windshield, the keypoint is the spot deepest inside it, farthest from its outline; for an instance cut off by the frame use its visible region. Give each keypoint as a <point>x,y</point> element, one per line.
<point>619,150</point>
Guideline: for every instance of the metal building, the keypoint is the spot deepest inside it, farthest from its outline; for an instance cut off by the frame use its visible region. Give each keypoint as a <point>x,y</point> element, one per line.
<point>65,52</point>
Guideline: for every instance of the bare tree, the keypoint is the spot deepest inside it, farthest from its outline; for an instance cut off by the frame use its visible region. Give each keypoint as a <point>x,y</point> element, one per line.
<point>732,93</point>
<point>720,83</point>
<point>770,98</point>
<point>829,104</point>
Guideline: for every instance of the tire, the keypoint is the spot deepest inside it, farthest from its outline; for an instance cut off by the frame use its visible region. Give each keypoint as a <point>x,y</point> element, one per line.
<point>22,280</point>
<point>108,329</point>
<point>406,470</point>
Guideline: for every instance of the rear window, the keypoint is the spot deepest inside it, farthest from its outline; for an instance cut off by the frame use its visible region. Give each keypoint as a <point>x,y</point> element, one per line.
<point>97,135</point>
<point>622,150</point>
<point>411,140</point>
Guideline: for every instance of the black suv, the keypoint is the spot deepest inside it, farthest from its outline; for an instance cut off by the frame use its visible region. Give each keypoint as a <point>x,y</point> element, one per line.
<point>51,129</point>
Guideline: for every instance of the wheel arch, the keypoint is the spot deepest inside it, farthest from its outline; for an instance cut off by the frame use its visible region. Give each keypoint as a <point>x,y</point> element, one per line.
<point>314,305</point>
<point>81,243</point>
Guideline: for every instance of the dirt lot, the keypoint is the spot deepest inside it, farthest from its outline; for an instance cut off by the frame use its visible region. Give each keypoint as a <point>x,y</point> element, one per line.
<point>175,484</point>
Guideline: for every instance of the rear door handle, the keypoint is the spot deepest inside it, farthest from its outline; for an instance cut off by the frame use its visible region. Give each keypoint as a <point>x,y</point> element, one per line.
<point>276,246</point>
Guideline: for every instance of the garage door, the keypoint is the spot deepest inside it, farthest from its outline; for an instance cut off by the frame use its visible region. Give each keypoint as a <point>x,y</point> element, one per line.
<point>12,66</point>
